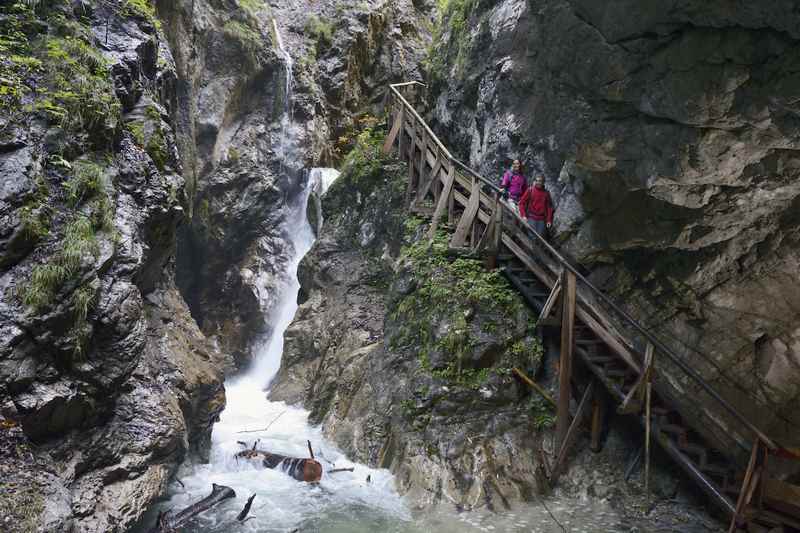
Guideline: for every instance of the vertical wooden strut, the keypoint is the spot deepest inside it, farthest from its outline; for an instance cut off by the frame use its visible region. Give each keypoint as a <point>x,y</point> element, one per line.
<point>396,128</point>
<point>444,200</point>
<point>598,414</point>
<point>751,479</point>
<point>467,218</point>
<point>568,285</point>
<point>497,233</point>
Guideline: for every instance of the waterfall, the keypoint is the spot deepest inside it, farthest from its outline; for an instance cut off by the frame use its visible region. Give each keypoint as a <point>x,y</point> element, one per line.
<point>282,503</point>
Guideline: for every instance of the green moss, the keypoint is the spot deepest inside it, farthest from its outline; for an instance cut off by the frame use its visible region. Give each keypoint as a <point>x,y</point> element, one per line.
<point>144,9</point>
<point>319,31</point>
<point>451,36</point>
<point>463,294</point>
<point>248,38</point>
<point>81,94</point>
<point>136,130</point>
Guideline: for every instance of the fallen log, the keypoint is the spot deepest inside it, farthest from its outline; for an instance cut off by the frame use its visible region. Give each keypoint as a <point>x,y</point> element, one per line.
<point>169,523</point>
<point>309,470</point>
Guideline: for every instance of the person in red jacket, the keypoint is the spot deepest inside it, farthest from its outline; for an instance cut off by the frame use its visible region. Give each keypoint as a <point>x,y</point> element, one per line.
<point>536,207</point>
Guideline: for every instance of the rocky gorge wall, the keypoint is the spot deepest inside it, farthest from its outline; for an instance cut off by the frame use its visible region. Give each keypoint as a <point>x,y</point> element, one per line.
<point>106,383</point>
<point>668,134</point>
<point>144,147</point>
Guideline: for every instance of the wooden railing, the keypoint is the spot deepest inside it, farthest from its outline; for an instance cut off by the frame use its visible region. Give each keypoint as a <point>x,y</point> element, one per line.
<point>440,185</point>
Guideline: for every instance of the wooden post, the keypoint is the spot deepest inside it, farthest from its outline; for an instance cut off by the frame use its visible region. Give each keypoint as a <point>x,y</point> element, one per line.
<point>444,199</point>
<point>396,128</point>
<point>743,493</point>
<point>598,415</point>
<point>410,159</point>
<point>451,205</point>
<point>567,343</point>
<point>649,388</point>
<point>572,432</point>
<point>467,217</point>
<point>497,233</point>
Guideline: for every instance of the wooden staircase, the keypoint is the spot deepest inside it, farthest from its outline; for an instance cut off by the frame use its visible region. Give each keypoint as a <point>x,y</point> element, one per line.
<point>594,330</point>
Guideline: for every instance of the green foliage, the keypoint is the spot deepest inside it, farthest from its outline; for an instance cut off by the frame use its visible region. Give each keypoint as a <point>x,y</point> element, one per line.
<point>320,31</point>
<point>251,6</point>
<point>86,182</point>
<point>81,96</point>
<point>144,9</point>
<point>543,415</point>
<point>248,38</point>
<point>136,130</point>
<point>450,35</point>
<point>450,291</point>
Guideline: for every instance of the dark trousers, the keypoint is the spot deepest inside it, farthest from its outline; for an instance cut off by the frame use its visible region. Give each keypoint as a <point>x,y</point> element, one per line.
<point>539,226</point>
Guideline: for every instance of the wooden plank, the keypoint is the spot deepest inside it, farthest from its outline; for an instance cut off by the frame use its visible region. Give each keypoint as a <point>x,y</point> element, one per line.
<point>398,122</point>
<point>467,218</point>
<point>535,386</point>
<point>598,417</point>
<point>572,432</point>
<point>423,191</point>
<point>745,486</point>
<point>583,315</point>
<point>567,345</point>
<point>634,399</point>
<point>551,301</point>
<point>444,199</point>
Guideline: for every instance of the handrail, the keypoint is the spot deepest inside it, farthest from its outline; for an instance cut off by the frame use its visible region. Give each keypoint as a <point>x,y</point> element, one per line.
<point>660,346</point>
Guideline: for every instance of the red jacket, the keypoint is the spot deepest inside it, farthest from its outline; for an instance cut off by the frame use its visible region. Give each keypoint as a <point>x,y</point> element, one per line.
<point>536,204</point>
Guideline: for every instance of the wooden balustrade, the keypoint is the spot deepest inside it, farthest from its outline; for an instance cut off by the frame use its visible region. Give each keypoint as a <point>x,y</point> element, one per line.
<point>484,225</point>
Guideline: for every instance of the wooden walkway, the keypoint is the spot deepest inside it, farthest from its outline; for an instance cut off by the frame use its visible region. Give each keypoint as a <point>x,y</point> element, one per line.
<point>595,333</point>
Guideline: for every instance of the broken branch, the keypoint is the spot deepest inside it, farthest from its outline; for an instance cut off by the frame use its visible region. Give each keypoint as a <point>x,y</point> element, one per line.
<point>167,523</point>
<point>246,509</point>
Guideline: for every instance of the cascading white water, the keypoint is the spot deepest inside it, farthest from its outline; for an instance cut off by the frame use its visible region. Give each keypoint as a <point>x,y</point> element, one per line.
<point>282,503</point>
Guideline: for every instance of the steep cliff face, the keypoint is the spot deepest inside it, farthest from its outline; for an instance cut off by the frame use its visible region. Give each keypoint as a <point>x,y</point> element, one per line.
<point>105,381</point>
<point>668,133</point>
<point>255,129</point>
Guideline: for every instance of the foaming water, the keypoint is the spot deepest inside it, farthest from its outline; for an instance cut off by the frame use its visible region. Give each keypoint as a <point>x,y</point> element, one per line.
<point>283,503</point>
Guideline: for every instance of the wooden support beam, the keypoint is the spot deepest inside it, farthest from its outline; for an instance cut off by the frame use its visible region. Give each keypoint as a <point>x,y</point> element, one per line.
<point>551,301</point>
<point>572,432</point>
<point>748,476</point>
<point>445,199</point>
<point>635,397</point>
<point>599,403</point>
<point>398,122</point>
<point>497,234</point>
<point>409,158</point>
<point>567,345</point>
<point>535,386</point>
<point>425,188</point>
<point>467,218</point>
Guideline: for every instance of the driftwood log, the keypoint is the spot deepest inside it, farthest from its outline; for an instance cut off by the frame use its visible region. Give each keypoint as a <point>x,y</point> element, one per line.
<point>169,523</point>
<point>309,470</point>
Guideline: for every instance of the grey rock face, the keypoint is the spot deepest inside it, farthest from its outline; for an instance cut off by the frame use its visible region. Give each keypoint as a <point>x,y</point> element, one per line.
<point>249,157</point>
<point>106,383</point>
<point>668,134</point>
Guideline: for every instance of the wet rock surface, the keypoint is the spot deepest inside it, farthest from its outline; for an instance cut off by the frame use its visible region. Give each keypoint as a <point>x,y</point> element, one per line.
<point>106,383</point>
<point>372,365</point>
<point>251,146</point>
<point>668,135</point>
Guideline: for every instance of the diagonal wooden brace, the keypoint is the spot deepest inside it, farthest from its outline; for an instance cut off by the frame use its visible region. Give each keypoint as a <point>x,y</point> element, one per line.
<point>468,217</point>
<point>635,398</point>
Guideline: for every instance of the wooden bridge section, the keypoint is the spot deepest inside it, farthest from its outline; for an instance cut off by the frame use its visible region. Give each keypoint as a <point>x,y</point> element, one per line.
<point>622,356</point>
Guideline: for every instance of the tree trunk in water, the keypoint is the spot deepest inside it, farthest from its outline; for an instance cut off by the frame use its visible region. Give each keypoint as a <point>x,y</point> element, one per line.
<point>308,470</point>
